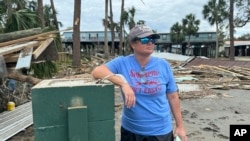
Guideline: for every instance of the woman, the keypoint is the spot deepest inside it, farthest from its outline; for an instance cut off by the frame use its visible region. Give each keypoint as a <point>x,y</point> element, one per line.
<point>148,89</point>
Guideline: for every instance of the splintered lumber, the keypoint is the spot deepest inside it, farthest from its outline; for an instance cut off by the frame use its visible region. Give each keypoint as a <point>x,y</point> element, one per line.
<point>26,38</point>
<point>11,58</point>
<point>240,70</point>
<point>42,47</point>
<point>14,48</point>
<point>244,77</point>
<point>50,53</point>
<point>221,70</point>
<point>19,34</point>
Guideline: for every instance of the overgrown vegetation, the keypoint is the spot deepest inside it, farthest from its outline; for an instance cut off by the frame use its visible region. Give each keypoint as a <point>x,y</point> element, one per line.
<point>44,69</point>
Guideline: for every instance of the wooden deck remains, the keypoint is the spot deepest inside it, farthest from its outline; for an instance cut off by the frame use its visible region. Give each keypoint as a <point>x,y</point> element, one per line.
<point>12,122</point>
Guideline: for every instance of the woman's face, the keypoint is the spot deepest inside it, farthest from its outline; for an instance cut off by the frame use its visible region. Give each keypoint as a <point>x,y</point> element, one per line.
<point>144,46</point>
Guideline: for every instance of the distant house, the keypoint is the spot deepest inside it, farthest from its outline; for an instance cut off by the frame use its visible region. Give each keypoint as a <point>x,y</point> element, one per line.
<point>89,40</point>
<point>242,48</point>
<point>202,44</point>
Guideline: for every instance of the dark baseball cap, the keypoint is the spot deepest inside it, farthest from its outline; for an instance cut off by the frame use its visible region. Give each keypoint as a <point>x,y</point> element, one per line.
<point>140,31</point>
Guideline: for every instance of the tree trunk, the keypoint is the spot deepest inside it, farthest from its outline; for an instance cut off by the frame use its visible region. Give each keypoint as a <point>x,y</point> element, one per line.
<point>9,6</point>
<point>121,29</point>
<point>56,23</point>
<point>106,47</point>
<point>112,29</point>
<point>231,27</point>
<point>40,12</point>
<point>24,78</point>
<point>76,34</point>
<point>217,41</point>
<point>19,34</point>
<point>54,14</point>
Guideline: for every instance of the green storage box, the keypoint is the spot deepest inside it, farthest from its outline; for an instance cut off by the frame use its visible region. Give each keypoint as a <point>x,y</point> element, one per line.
<point>73,110</point>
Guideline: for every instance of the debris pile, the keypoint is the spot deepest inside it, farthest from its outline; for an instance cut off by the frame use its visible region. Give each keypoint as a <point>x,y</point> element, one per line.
<point>205,78</point>
<point>21,48</point>
<point>215,77</point>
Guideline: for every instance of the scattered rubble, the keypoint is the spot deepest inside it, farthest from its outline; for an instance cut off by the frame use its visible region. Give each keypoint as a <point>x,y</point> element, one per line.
<point>200,79</point>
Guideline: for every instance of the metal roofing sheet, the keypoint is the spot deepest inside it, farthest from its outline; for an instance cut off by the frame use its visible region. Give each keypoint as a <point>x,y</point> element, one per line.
<point>237,43</point>
<point>171,56</point>
<point>188,87</point>
<point>216,62</point>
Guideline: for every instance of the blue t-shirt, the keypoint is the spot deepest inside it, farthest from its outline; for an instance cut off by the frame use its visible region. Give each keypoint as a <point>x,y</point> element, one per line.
<point>151,114</point>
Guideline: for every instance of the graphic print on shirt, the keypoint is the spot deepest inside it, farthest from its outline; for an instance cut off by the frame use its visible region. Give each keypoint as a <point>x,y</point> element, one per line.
<point>145,82</point>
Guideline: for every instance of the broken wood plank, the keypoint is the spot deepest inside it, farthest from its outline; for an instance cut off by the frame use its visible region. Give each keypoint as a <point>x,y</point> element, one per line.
<point>42,47</point>
<point>42,38</point>
<point>11,58</point>
<point>226,72</point>
<point>240,70</point>
<point>244,77</point>
<point>50,53</point>
<point>14,48</point>
<point>26,38</point>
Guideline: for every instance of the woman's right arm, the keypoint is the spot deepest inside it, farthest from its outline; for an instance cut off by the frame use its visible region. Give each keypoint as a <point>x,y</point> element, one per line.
<point>103,71</point>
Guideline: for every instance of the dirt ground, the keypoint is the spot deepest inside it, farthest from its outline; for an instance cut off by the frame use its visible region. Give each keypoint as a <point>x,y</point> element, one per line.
<point>206,119</point>
<point>209,118</point>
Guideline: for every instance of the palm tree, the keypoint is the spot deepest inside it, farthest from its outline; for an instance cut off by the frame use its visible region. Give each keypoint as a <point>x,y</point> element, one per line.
<point>112,29</point>
<point>231,29</point>
<point>176,34</point>
<point>190,26</point>
<point>112,26</point>
<point>123,20</point>
<point>22,9</point>
<point>18,15</point>
<point>47,10</point>
<point>9,5</point>
<point>2,16</point>
<point>49,17</point>
<point>56,24</point>
<point>121,28</point>
<point>76,34</point>
<point>243,14</point>
<point>20,4</point>
<point>131,21</point>
<point>32,5</point>
<point>40,12</point>
<point>21,15</point>
<point>215,12</point>
<point>54,15</point>
<point>106,47</point>
<point>21,20</point>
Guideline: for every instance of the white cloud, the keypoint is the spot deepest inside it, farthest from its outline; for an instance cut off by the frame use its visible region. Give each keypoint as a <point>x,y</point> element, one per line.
<point>159,15</point>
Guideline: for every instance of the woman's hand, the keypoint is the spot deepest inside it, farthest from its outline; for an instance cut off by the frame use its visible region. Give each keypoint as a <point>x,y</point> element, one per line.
<point>129,95</point>
<point>180,131</point>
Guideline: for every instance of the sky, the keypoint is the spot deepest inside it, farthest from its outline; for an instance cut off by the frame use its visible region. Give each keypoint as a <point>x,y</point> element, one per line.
<point>158,14</point>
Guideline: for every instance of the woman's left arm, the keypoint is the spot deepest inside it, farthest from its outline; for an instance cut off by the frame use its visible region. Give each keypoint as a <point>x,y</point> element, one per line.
<point>174,102</point>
